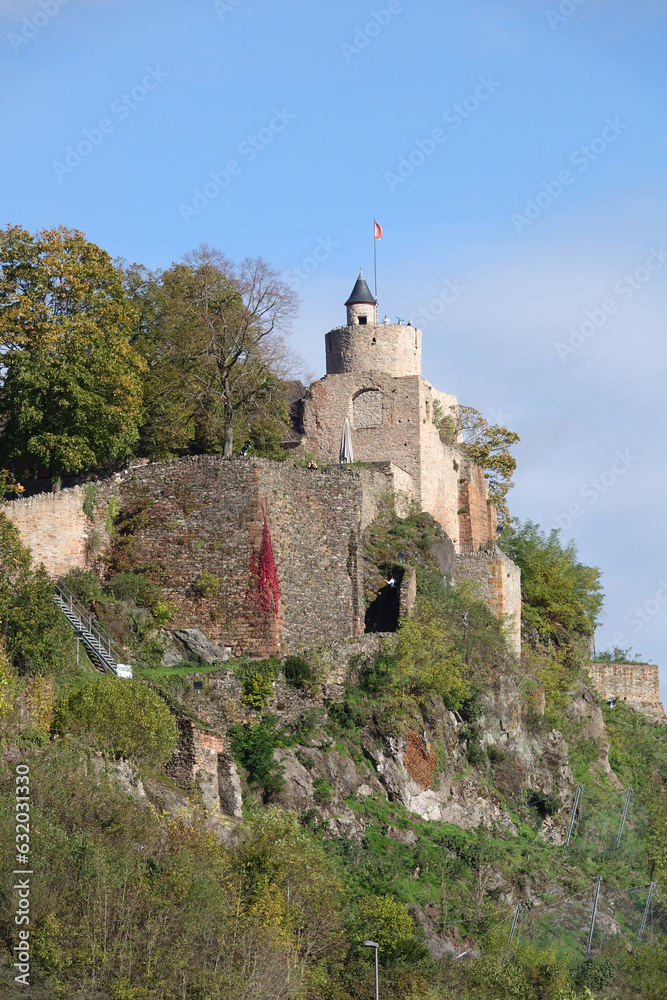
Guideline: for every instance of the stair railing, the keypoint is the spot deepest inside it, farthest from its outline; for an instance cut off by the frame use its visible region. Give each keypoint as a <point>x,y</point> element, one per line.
<point>70,603</point>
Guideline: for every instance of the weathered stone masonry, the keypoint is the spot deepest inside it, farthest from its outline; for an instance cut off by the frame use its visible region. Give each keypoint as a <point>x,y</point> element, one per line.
<point>638,684</point>
<point>205,514</point>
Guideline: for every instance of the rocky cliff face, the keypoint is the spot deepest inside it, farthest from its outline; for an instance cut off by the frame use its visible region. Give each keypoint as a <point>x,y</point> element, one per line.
<point>428,769</point>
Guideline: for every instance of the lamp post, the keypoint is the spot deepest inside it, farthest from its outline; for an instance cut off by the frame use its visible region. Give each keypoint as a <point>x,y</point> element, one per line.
<point>374,944</point>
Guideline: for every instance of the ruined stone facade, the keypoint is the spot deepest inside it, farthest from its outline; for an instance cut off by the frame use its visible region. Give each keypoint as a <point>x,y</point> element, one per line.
<point>637,684</point>
<point>499,581</point>
<point>205,515</point>
<point>374,379</point>
<point>54,527</point>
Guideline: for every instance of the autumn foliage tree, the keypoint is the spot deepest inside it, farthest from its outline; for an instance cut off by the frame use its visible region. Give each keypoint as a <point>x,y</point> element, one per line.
<point>70,382</point>
<point>486,444</point>
<point>213,333</point>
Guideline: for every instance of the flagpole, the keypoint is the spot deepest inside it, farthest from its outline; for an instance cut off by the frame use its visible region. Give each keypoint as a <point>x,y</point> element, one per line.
<point>375,262</point>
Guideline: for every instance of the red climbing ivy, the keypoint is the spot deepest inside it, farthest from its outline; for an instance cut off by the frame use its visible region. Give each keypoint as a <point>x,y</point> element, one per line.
<point>264,590</point>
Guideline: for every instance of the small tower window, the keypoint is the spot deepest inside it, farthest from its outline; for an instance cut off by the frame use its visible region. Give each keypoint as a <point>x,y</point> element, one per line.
<point>363,320</point>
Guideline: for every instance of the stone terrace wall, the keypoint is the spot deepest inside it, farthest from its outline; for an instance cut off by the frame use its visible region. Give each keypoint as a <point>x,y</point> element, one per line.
<point>638,684</point>
<point>55,528</point>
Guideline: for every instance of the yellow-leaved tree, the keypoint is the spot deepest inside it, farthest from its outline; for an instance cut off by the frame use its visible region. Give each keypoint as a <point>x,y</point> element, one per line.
<point>70,382</point>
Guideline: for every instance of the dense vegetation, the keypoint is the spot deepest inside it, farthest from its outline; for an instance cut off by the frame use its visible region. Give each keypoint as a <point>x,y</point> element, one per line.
<point>141,898</point>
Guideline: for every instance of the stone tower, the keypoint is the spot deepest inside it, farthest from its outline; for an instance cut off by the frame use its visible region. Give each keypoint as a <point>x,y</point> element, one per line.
<point>362,308</point>
<point>362,346</point>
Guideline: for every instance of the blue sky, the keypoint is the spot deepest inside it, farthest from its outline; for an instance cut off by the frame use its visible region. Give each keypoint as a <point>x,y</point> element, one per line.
<point>540,200</point>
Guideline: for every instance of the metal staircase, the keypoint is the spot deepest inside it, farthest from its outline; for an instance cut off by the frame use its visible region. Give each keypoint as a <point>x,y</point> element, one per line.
<point>101,648</point>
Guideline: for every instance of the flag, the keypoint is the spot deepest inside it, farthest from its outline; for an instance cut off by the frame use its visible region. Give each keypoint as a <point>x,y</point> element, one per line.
<point>378,231</point>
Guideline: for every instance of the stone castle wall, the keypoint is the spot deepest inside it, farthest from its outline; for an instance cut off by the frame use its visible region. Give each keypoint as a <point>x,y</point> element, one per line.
<point>204,514</point>
<point>393,417</point>
<point>499,582</point>
<point>391,350</point>
<point>638,684</point>
<point>54,527</point>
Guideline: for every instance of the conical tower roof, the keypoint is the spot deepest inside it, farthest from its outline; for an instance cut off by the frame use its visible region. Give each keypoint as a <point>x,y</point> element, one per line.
<point>361,293</point>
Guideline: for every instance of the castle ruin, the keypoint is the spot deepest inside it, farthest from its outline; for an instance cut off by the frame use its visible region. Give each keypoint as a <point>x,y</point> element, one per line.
<point>205,515</point>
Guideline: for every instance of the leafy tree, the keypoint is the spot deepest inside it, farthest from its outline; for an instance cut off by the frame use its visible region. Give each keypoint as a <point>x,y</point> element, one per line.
<point>488,445</point>
<point>70,382</point>
<point>388,923</point>
<point>37,637</point>
<point>477,633</point>
<point>562,598</point>
<point>124,717</point>
<point>618,655</point>
<point>213,335</point>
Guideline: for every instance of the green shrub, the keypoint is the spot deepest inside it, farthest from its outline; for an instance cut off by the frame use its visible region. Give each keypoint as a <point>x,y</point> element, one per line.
<point>471,708</point>
<point>206,585</point>
<point>297,672</point>
<point>84,584</point>
<point>546,805</point>
<point>257,690</point>
<point>253,745</point>
<point>122,717</point>
<point>113,510</point>
<point>475,753</point>
<point>388,922</point>
<point>163,612</point>
<point>90,498</point>
<point>133,587</point>
<point>323,791</point>
<point>596,973</point>
<point>496,754</point>
<point>246,667</point>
